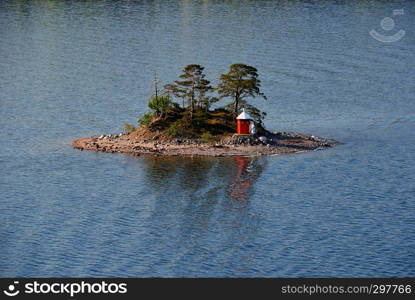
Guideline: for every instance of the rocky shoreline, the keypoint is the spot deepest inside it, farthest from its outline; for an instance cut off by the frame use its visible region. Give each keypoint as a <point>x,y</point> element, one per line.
<point>237,145</point>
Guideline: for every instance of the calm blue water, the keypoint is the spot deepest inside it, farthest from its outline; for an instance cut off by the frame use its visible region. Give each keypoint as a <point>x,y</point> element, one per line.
<point>71,69</point>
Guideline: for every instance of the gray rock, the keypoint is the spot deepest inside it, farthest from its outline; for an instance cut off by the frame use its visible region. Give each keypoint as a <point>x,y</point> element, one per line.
<point>263,139</point>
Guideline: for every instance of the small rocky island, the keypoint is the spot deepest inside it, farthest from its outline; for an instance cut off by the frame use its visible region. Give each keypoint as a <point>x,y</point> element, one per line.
<point>194,128</point>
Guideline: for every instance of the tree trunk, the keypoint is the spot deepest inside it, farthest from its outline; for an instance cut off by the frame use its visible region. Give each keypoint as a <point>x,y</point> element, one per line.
<point>236,102</point>
<point>192,103</point>
<point>192,109</point>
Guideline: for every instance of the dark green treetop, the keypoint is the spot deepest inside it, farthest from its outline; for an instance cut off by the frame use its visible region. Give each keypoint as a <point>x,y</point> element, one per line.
<point>239,83</point>
<point>193,88</point>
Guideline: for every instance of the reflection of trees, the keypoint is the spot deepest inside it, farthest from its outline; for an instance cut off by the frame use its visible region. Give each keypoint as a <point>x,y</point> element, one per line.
<point>203,177</point>
<point>189,190</point>
<point>179,174</point>
<point>190,212</point>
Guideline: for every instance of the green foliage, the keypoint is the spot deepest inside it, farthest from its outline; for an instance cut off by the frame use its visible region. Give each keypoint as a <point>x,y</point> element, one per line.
<point>239,83</point>
<point>128,128</point>
<point>159,104</point>
<point>195,119</point>
<point>192,89</point>
<point>146,119</point>
<point>207,137</point>
<point>174,130</point>
<point>199,118</point>
<point>256,114</point>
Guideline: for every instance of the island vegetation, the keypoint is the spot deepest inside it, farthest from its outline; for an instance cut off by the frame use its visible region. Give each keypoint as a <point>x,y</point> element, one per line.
<point>190,116</point>
<point>183,109</point>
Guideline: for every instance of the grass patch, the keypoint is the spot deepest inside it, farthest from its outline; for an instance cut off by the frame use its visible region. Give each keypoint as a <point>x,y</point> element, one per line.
<point>128,128</point>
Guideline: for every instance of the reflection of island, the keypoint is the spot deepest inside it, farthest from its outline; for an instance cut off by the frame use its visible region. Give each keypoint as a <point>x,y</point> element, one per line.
<point>177,175</point>
<point>203,177</point>
<point>202,204</point>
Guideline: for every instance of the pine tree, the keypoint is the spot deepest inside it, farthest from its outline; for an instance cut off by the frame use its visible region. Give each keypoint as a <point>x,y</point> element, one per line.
<point>240,83</point>
<point>193,88</point>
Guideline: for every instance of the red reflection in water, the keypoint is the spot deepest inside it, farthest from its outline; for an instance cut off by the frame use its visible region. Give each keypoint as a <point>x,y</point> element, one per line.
<point>239,189</point>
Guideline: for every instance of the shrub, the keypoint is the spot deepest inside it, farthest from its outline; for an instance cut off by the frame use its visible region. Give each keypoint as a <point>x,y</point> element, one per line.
<point>207,137</point>
<point>173,130</point>
<point>146,119</point>
<point>199,118</point>
<point>159,104</point>
<point>128,128</point>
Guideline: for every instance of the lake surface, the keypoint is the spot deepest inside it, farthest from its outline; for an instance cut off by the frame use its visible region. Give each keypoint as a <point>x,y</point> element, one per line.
<point>71,69</point>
